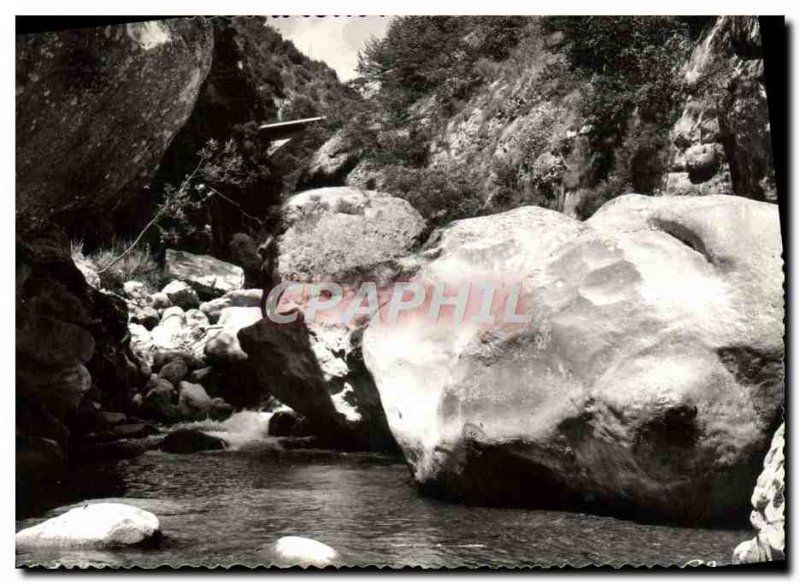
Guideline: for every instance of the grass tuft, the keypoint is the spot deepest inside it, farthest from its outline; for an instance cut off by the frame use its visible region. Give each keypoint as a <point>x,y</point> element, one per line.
<point>138,264</point>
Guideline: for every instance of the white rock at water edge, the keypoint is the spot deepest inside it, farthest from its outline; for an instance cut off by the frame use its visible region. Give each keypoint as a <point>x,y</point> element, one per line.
<point>97,525</point>
<point>302,551</point>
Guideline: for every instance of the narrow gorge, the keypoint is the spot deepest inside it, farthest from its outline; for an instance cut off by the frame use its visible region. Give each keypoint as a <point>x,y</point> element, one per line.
<point>512,296</point>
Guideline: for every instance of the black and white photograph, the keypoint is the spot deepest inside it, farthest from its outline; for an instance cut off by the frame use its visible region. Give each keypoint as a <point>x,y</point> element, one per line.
<point>399,291</point>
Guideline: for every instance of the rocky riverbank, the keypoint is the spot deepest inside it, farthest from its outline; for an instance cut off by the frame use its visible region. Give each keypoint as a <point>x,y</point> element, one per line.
<point>645,381</point>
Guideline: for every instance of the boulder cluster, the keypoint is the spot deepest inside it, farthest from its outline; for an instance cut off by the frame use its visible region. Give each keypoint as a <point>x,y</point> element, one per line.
<point>185,336</point>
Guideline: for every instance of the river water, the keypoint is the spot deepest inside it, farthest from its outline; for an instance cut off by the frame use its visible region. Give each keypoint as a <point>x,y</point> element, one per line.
<point>227,507</point>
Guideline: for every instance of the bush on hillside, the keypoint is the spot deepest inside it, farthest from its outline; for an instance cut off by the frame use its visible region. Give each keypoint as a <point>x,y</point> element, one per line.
<point>632,64</point>
<point>439,197</point>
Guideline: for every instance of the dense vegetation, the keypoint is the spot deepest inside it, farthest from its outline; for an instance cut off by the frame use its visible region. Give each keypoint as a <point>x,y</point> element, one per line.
<point>428,72</point>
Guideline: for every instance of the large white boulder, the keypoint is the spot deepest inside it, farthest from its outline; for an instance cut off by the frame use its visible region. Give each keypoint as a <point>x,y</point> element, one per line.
<point>338,231</point>
<point>303,552</point>
<point>95,525</point>
<point>649,375</point>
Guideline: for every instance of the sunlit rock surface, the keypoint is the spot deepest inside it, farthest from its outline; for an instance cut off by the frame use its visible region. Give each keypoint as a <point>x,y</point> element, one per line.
<point>650,376</point>
<point>304,552</point>
<point>95,525</point>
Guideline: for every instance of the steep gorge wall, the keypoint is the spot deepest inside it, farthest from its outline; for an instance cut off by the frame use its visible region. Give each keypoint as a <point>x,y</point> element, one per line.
<point>721,142</point>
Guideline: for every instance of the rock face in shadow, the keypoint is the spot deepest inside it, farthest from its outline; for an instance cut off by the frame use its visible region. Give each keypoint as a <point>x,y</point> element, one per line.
<point>721,142</point>
<point>96,110</point>
<point>649,378</point>
<point>329,166</point>
<point>285,366</point>
<point>71,346</point>
<point>768,514</point>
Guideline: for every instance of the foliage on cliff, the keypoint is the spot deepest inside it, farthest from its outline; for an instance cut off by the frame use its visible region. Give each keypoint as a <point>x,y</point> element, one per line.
<point>562,112</point>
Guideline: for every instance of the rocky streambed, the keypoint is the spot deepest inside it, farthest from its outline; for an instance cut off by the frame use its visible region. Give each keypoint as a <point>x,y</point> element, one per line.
<point>647,385</point>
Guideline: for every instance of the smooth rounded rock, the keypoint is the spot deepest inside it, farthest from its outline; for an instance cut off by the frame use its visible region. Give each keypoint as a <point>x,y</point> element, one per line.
<point>174,371</point>
<point>332,232</point>
<point>304,552</point>
<point>95,525</point>
<point>193,397</point>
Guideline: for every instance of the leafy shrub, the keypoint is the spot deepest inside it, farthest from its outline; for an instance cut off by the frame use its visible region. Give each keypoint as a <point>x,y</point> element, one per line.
<point>439,196</point>
<point>420,54</point>
<point>631,64</point>
<point>232,188</point>
<point>592,198</point>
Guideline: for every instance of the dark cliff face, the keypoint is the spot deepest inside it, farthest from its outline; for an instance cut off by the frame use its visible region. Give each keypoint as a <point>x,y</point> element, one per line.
<point>96,110</point>
<point>72,353</point>
<point>721,142</point>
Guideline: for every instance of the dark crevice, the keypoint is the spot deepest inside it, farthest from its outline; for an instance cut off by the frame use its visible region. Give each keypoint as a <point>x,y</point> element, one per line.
<point>686,237</point>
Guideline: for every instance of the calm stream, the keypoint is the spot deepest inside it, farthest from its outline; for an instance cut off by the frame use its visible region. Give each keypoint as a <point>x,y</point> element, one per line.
<point>225,507</point>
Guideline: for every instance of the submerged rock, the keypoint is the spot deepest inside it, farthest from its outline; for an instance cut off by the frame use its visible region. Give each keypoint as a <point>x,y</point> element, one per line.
<point>648,377</point>
<point>768,512</point>
<point>94,526</point>
<point>185,440</point>
<point>303,552</point>
<point>288,423</point>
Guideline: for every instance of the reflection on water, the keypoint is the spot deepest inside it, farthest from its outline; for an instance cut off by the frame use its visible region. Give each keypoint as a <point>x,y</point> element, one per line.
<point>223,508</point>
